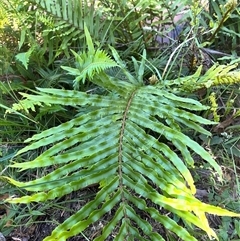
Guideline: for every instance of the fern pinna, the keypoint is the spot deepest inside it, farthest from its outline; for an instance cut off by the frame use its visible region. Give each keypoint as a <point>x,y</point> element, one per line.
<point>127,142</point>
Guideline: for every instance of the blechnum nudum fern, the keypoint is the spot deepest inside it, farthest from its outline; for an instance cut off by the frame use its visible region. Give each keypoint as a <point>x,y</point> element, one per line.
<point>121,141</point>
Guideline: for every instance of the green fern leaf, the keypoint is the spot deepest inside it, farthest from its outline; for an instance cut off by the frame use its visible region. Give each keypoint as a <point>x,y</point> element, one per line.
<point>91,63</point>
<point>131,153</point>
<point>130,142</point>
<point>24,58</point>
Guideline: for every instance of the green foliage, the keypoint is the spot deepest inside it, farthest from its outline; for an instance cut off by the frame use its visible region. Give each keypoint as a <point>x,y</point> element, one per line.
<point>129,26</point>
<point>58,35</point>
<point>222,13</point>
<point>136,143</point>
<point>223,21</point>
<point>127,143</point>
<point>91,63</point>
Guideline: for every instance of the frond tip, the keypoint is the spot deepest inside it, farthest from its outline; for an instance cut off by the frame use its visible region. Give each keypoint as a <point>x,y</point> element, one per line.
<point>89,63</point>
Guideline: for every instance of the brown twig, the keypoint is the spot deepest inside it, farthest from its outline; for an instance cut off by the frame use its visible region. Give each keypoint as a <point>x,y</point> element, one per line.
<point>10,76</point>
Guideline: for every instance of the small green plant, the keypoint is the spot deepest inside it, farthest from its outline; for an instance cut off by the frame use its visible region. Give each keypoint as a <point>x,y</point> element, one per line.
<point>126,143</point>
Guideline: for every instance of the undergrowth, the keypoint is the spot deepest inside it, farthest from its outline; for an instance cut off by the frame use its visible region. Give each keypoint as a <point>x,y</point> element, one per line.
<point>132,136</point>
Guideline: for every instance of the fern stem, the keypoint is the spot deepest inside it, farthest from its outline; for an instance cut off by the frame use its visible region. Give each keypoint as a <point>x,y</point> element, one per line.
<point>120,149</point>
<point>224,18</point>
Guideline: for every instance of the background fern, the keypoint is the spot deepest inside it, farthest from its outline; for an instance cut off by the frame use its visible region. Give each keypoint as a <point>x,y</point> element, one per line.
<point>131,143</point>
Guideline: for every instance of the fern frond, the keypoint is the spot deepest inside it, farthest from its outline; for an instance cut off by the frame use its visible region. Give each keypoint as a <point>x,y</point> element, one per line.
<point>214,106</point>
<point>70,11</point>
<point>25,105</point>
<point>216,75</point>
<point>123,161</point>
<point>130,142</point>
<point>91,63</point>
